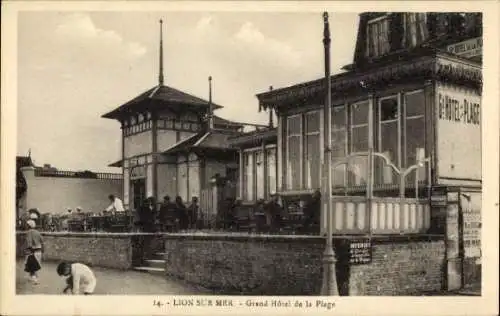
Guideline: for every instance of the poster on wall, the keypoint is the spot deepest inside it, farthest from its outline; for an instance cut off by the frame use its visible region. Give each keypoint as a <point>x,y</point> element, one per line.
<point>471,210</point>
<point>458,114</point>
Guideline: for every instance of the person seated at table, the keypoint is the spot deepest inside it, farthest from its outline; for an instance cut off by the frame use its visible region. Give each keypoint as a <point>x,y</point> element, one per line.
<point>274,209</point>
<point>312,210</point>
<point>181,212</point>
<point>192,213</point>
<point>166,215</point>
<point>146,215</point>
<point>116,205</point>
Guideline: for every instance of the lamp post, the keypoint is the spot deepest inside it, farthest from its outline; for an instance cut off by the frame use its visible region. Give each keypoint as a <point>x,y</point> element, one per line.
<point>329,275</point>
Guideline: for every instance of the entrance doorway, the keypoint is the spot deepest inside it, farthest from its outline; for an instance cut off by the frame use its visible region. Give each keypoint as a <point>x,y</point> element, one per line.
<point>139,192</point>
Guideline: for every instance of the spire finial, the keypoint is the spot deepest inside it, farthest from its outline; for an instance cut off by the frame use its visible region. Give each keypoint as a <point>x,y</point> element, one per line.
<point>210,108</point>
<point>326,30</point>
<point>271,123</point>
<point>160,75</point>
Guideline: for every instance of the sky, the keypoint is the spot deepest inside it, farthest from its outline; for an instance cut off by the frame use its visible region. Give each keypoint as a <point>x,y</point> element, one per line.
<point>75,66</point>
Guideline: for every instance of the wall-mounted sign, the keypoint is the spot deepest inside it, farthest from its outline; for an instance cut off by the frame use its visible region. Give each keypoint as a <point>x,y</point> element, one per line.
<point>360,251</point>
<point>471,211</point>
<point>460,110</point>
<point>467,49</point>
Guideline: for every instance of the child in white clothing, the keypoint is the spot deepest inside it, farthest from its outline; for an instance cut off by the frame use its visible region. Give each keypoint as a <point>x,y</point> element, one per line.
<point>80,278</point>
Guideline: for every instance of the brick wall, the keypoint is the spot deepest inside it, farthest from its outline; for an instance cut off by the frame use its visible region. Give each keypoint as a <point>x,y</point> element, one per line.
<point>252,266</point>
<point>95,249</point>
<point>400,267</point>
<point>291,265</point>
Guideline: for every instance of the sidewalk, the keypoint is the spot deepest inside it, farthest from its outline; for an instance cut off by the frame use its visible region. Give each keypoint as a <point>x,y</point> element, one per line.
<point>109,281</point>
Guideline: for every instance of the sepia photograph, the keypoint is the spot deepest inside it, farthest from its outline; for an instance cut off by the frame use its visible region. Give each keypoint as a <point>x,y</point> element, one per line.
<point>208,155</point>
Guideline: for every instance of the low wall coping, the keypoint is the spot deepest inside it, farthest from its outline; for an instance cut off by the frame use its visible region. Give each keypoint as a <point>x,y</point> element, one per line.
<point>377,239</point>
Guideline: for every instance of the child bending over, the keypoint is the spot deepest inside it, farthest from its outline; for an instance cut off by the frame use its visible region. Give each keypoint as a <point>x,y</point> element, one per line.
<point>80,278</point>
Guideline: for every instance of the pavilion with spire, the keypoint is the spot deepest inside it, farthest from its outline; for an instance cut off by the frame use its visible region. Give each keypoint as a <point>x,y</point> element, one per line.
<point>172,143</point>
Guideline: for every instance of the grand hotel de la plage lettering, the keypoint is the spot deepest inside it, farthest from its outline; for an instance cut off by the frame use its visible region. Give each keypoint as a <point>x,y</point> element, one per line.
<point>460,111</point>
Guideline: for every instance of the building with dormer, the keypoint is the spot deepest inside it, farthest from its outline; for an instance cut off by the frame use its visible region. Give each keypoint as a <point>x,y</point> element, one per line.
<point>413,96</point>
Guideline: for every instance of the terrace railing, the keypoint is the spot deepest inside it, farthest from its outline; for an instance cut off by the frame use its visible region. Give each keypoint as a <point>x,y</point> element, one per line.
<point>39,172</point>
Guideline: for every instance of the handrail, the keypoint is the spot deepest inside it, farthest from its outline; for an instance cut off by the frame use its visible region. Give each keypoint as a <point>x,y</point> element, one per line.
<point>78,174</point>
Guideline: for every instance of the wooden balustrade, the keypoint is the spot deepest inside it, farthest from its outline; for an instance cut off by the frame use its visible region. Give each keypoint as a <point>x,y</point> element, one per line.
<point>77,174</point>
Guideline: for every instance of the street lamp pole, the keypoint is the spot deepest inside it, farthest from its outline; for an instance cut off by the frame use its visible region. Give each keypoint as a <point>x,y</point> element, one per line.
<point>329,275</point>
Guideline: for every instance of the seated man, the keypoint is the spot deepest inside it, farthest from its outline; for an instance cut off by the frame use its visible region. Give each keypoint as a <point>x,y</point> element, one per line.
<point>116,205</point>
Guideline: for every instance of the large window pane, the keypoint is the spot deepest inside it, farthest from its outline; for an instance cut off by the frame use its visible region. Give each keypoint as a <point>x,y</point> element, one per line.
<point>259,165</point>
<point>359,139</point>
<point>357,168</point>
<point>293,163</point>
<point>312,162</point>
<point>388,146</point>
<point>294,125</point>
<point>338,118</point>
<point>271,170</point>
<point>359,113</point>
<point>338,145</point>
<point>358,171</point>
<point>415,104</point>
<point>388,109</point>
<point>248,176</point>
<point>415,129</point>
<point>312,122</point>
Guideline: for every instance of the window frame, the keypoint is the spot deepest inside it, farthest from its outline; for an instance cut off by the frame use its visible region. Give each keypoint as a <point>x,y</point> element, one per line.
<point>412,117</point>
<point>370,41</point>
<point>304,154</point>
<point>395,160</point>
<point>289,180</point>
<point>352,125</point>
<point>345,129</point>
<point>421,33</point>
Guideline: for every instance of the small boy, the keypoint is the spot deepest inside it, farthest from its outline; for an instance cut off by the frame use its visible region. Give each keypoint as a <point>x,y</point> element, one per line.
<point>79,276</point>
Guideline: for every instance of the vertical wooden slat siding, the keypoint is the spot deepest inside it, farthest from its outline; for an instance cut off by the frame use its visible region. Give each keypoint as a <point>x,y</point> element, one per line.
<point>374,215</point>
<point>381,215</point>
<point>390,216</point>
<point>420,217</point>
<point>406,217</point>
<point>351,210</point>
<point>412,225</point>
<point>360,216</point>
<point>339,215</point>
<point>427,216</point>
<point>387,216</point>
<point>397,216</point>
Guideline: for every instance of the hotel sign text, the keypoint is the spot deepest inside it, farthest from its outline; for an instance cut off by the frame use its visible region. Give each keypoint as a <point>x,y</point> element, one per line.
<point>460,111</point>
<point>467,49</point>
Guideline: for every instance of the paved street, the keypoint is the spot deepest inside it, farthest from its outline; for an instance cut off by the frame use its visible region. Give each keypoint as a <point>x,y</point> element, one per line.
<point>109,281</point>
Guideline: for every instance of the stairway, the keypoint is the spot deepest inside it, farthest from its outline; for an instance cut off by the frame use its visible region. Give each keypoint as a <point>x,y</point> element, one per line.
<point>154,264</point>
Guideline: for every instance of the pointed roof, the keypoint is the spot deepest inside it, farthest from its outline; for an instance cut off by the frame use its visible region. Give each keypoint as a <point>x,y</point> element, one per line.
<point>212,140</point>
<point>159,98</point>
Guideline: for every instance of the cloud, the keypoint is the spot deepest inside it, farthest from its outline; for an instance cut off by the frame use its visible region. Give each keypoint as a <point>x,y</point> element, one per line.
<point>254,40</point>
<point>205,23</point>
<point>79,26</point>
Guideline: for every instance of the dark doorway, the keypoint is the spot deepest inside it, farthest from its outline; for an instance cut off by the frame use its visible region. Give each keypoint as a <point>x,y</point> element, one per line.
<point>139,192</point>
